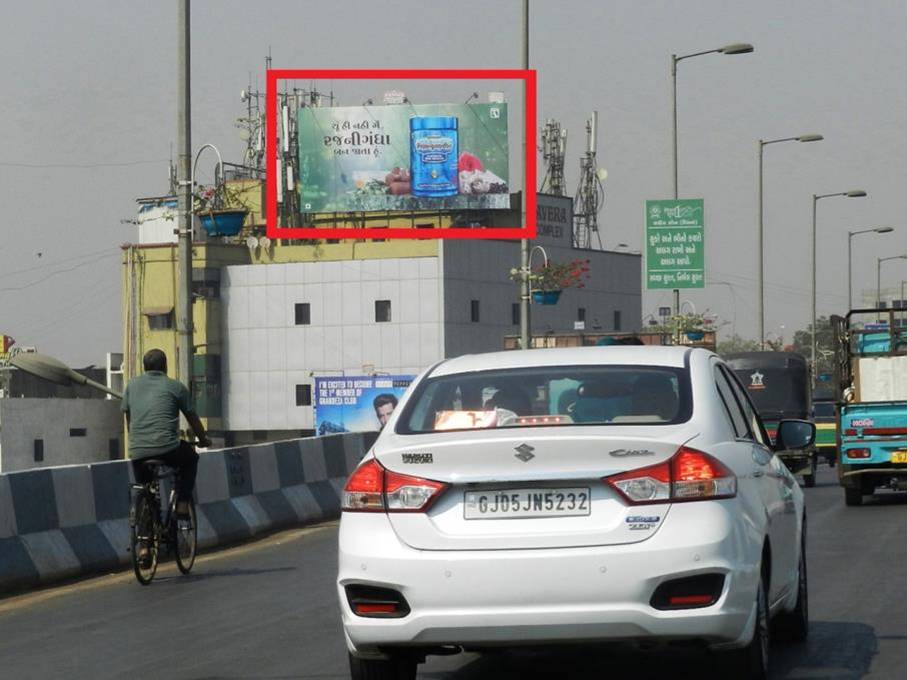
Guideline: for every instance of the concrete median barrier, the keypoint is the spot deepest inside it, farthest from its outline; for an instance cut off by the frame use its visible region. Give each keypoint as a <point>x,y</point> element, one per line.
<point>57,523</point>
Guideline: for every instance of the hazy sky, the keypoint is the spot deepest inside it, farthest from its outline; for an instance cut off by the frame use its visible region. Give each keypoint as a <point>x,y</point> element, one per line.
<point>89,115</point>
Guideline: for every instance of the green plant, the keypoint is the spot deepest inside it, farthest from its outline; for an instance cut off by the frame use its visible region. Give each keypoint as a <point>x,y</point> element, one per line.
<point>221,197</point>
<point>555,275</point>
<point>685,323</point>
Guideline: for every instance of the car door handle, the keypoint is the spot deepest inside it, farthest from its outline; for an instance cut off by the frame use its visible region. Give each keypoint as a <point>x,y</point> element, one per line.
<point>758,473</point>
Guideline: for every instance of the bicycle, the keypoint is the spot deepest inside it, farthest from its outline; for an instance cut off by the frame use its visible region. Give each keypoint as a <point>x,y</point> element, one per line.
<point>152,531</point>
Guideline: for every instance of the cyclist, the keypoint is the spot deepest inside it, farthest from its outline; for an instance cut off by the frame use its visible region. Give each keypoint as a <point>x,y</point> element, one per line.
<point>152,403</point>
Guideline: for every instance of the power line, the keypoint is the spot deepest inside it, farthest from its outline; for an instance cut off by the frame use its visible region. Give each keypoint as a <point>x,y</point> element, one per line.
<point>52,274</point>
<point>54,263</point>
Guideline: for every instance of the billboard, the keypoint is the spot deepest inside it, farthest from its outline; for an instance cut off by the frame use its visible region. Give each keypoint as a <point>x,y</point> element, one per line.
<point>675,250</point>
<point>359,403</point>
<point>403,157</point>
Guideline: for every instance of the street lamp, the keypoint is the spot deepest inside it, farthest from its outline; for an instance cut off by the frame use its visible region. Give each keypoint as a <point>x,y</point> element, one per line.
<point>850,235</point>
<point>853,193</point>
<point>762,144</point>
<point>733,48</point>
<point>879,276</point>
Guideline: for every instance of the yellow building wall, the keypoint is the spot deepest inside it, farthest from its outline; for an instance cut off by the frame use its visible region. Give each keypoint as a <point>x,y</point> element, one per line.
<point>150,280</point>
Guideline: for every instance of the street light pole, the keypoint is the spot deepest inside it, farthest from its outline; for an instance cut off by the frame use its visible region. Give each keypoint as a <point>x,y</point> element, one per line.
<point>850,235</point>
<point>525,340</point>
<point>761,249</point>
<point>734,48</point>
<point>184,323</point>
<point>879,262</point>
<point>854,193</point>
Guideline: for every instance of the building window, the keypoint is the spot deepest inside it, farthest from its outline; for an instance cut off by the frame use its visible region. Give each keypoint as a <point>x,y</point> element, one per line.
<point>474,311</point>
<point>206,282</point>
<point>39,450</point>
<point>515,313</point>
<point>113,449</point>
<point>581,314</point>
<point>382,310</point>
<point>77,432</point>
<point>160,322</point>
<point>303,395</point>
<point>617,319</point>
<point>303,314</point>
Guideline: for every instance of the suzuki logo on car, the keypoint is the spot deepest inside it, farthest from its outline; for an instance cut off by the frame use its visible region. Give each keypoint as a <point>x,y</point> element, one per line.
<point>621,453</point>
<point>524,452</point>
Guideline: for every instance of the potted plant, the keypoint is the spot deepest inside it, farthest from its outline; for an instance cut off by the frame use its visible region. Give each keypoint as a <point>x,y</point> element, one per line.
<point>694,326</point>
<point>547,281</point>
<point>222,212</point>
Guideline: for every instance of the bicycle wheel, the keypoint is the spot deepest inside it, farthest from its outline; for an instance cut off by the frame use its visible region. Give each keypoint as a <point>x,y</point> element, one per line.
<point>144,535</point>
<point>186,540</point>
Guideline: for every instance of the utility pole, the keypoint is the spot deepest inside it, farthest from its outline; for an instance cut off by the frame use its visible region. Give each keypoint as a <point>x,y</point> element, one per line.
<point>525,339</point>
<point>184,197</point>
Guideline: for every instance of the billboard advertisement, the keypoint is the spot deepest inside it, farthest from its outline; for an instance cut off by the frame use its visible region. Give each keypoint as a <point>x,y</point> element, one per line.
<point>359,403</point>
<point>403,157</point>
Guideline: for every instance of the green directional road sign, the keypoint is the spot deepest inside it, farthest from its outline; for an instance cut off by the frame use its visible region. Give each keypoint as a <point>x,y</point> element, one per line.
<point>675,250</point>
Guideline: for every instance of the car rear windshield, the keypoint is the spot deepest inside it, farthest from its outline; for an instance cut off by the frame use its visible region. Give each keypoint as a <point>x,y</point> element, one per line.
<point>776,392</point>
<point>823,409</point>
<point>549,396</point>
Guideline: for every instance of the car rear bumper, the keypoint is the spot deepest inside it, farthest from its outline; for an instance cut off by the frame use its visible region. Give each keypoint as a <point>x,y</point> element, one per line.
<point>497,598</point>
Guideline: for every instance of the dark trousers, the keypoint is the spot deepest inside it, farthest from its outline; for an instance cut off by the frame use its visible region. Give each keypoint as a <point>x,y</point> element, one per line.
<point>183,459</point>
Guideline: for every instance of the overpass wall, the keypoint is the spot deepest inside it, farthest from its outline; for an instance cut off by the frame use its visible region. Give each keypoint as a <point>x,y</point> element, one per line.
<point>70,521</point>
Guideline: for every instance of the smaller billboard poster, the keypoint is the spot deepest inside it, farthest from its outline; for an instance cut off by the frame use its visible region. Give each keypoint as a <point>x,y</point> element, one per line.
<point>357,403</point>
<point>675,249</point>
<point>403,157</point>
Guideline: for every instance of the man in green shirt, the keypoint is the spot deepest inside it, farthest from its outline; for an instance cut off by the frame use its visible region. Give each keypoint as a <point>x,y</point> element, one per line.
<point>152,403</point>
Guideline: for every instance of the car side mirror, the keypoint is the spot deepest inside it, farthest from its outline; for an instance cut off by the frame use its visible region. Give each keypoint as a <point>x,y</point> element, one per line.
<point>794,434</point>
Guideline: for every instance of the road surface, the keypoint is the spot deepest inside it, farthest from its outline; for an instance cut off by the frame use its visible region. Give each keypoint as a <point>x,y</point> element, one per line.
<point>267,610</point>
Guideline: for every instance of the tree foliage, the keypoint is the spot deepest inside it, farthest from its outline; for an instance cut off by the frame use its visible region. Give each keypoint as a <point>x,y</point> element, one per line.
<point>824,344</point>
<point>735,343</point>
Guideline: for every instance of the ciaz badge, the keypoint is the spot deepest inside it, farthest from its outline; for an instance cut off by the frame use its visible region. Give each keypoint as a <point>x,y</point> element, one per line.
<point>642,522</point>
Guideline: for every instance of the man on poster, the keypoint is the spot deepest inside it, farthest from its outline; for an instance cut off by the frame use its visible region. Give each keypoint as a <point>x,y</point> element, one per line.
<point>384,406</point>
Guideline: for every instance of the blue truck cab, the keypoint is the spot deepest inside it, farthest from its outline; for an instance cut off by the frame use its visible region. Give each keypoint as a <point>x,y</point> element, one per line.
<point>871,377</point>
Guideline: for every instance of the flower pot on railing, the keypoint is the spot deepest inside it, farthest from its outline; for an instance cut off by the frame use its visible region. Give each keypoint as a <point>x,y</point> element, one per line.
<point>546,297</point>
<point>226,222</point>
<point>695,336</point>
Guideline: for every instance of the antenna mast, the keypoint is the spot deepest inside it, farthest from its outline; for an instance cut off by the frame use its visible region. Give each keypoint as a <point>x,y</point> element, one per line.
<point>554,149</point>
<point>590,195</point>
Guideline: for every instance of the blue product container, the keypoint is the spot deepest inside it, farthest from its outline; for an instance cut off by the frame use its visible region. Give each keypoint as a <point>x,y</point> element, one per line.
<point>433,154</point>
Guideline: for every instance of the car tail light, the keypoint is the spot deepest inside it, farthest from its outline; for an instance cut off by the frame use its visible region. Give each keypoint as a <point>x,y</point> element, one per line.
<point>858,453</point>
<point>689,475</point>
<point>688,592</point>
<point>372,488</point>
<point>375,602</point>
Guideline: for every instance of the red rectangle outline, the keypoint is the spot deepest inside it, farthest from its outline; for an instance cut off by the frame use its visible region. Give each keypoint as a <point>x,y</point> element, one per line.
<point>527,231</point>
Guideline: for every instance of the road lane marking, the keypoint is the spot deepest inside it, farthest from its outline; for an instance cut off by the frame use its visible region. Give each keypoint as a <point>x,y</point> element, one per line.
<point>25,600</point>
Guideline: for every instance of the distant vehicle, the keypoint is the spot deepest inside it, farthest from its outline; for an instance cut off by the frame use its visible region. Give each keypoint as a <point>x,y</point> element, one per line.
<point>583,495</point>
<point>780,386</point>
<point>871,378</point>
<point>826,419</point>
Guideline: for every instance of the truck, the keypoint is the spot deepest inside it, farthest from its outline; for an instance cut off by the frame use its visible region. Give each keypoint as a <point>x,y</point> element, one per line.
<point>871,396</point>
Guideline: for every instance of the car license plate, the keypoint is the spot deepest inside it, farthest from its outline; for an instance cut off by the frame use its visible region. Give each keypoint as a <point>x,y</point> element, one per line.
<point>523,503</point>
<point>899,457</point>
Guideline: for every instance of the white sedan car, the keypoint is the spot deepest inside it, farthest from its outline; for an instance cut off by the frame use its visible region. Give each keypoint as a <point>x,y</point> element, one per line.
<point>603,494</point>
